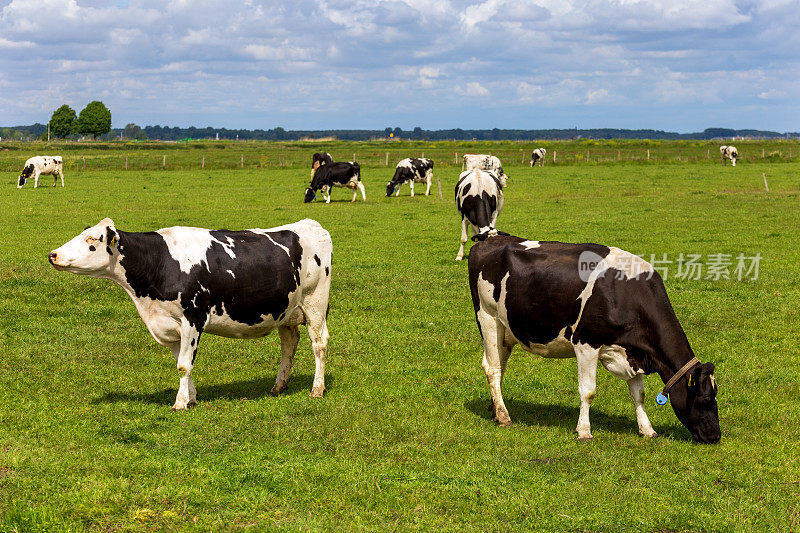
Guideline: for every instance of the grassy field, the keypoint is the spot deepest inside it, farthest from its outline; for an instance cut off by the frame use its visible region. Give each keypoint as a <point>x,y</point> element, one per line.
<point>402,439</point>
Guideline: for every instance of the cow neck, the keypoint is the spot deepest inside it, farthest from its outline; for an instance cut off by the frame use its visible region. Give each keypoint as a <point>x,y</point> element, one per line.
<point>135,264</point>
<point>674,360</point>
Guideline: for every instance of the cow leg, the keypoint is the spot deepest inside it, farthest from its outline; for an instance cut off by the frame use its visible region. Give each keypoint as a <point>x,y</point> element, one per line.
<point>289,337</point>
<point>428,188</point>
<point>397,190</point>
<point>326,193</point>
<point>318,333</point>
<point>733,161</point>
<point>355,193</point>
<point>615,360</point>
<point>411,184</point>
<point>587,382</point>
<point>494,361</point>
<point>464,224</point>
<point>61,175</point>
<point>636,389</point>
<point>185,352</point>
<point>55,179</point>
<point>363,191</point>
<point>35,178</point>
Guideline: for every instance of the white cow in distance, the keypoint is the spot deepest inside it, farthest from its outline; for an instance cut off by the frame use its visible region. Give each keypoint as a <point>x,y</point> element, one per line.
<point>42,164</point>
<point>729,152</point>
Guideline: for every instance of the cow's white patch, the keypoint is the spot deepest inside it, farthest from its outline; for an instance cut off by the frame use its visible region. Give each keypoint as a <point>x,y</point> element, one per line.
<point>231,273</point>
<point>188,246</point>
<point>529,244</point>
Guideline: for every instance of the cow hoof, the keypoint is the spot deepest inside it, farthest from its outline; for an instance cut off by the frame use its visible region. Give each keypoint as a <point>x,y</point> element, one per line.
<point>277,390</point>
<point>317,392</point>
<point>651,435</point>
<point>585,438</point>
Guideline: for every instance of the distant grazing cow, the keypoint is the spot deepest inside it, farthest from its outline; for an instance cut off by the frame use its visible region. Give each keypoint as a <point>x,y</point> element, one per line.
<point>42,164</point>
<point>538,156</point>
<point>335,175</point>
<point>479,199</point>
<point>241,284</point>
<point>411,170</point>
<point>485,162</point>
<point>729,152</point>
<point>321,158</point>
<point>593,303</point>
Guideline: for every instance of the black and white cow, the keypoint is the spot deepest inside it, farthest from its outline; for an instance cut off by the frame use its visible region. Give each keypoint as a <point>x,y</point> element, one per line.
<point>42,164</point>
<point>486,162</point>
<point>729,152</point>
<point>241,284</point>
<point>411,170</point>
<point>593,303</point>
<point>330,175</point>
<point>538,156</point>
<point>479,199</point>
<point>321,158</point>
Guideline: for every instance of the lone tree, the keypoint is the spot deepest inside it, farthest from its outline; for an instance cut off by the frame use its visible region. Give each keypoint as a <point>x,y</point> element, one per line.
<point>94,119</point>
<point>62,123</point>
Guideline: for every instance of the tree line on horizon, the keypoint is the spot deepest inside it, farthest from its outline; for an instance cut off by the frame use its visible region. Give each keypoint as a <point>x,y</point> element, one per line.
<point>95,120</point>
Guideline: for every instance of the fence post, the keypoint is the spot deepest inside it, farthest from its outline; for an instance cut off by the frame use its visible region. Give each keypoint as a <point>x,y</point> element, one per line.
<point>708,153</point>
<point>763,175</point>
<point>455,160</point>
<point>762,152</point>
<point>203,164</point>
<point>387,159</point>
<point>587,156</point>
<point>354,157</point>
<point>164,163</point>
<point>241,161</point>
<point>126,161</point>
<point>554,156</point>
<point>648,154</point>
<point>84,162</point>
<point>680,158</point>
<point>619,155</point>
<point>281,161</point>
<point>423,155</point>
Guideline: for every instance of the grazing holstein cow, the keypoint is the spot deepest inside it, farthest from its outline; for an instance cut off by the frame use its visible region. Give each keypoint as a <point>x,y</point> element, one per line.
<point>593,303</point>
<point>321,158</point>
<point>729,152</point>
<point>241,284</point>
<point>479,199</point>
<point>42,164</point>
<point>332,175</point>
<point>538,156</point>
<point>486,162</point>
<point>411,170</point>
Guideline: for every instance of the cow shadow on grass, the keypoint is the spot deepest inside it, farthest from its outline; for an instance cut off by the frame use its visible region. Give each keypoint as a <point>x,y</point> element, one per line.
<point>237,390</point>
<point>538,414</point>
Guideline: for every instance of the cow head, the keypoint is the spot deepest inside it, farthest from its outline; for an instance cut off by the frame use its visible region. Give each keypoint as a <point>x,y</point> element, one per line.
<point>694,400</point>
<point>27,172</point>
<point>90,253</point>
<point>390,188</point>
<point>310,195</point>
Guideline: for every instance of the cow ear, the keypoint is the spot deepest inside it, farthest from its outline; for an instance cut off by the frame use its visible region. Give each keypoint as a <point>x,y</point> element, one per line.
<point>111,236</point>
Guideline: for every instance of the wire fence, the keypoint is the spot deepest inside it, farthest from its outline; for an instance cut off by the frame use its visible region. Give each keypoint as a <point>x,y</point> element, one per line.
<point>251,155</point>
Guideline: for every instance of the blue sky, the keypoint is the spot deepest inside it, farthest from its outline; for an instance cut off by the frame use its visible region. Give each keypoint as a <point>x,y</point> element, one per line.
<point>678,65</point>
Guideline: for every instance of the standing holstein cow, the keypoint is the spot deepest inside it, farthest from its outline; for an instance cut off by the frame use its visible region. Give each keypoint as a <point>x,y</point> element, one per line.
<point>411,170</point>
<point>42,164</point>
<point>240,284</point>
<point>330,175</point>
<point>729,152</point>
<point>321,158</point>
<point>538,156</point>
<point>593,303</point>
<point>489,163</point>
<point>479,199</point>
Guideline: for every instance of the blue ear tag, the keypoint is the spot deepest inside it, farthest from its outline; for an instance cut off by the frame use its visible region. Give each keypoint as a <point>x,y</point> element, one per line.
<point>661,399</point>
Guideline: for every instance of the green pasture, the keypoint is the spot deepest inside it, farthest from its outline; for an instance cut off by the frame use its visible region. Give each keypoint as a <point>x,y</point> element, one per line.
<point>403,439</point>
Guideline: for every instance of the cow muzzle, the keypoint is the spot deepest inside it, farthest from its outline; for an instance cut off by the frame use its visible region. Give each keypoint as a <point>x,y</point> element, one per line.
<point>52,257</point>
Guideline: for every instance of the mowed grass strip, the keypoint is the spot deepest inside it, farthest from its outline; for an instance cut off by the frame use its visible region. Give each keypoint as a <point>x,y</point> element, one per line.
<point>403,437</point>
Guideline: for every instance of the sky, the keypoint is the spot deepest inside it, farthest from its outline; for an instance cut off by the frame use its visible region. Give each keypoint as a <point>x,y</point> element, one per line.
<point>677,65</point>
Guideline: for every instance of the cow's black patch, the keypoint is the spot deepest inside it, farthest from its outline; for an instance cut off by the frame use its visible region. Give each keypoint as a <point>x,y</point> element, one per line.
<point>264,275</point>
<point>327,271</point>
<point>92,248</point>
<point>108,249</point>
<point>191,343</point>
<point>316,258</point>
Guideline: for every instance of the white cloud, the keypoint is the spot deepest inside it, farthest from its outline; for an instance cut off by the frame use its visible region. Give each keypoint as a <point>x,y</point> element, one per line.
<point>417,60</point>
